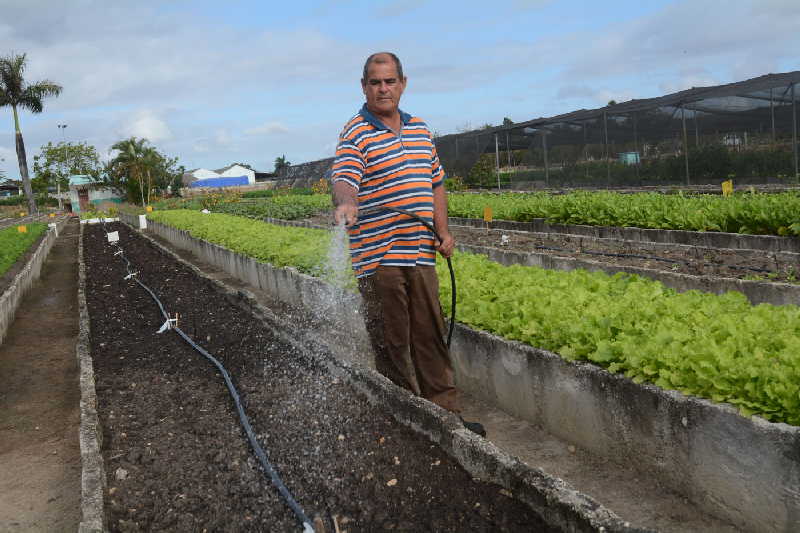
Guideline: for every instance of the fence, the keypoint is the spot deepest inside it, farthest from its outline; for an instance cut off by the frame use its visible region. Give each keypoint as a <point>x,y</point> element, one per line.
<point>745,130</point>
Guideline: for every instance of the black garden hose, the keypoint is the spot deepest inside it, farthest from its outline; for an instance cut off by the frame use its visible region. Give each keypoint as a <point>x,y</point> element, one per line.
<point>243,419</point>
<point>428,225</point>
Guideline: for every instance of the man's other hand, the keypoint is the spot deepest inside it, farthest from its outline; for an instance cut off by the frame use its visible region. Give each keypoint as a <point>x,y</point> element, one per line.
<point>447,245</point>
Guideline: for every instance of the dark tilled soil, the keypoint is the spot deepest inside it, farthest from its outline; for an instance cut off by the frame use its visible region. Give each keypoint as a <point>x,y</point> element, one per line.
<point>697,261</point>
<point>176,457</point>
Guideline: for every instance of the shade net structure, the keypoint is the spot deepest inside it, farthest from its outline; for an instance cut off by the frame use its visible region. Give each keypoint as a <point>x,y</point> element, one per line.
<point>745,131</point>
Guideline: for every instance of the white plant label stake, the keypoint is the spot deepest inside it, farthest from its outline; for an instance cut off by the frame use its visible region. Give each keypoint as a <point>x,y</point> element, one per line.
<point>113,236</point>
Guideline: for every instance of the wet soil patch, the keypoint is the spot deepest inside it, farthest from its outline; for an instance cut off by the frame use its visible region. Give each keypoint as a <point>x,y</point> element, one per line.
<point>176,458</point>
<point>693,260</point>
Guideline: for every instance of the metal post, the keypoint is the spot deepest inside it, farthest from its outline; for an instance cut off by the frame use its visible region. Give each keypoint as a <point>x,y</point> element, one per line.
<point>456,148</point>
<point>585,153</point>
<point>794,134</point>
<point>685,145</point>
<point>508,149</point>
<point>636,144</point>
<point>696,132</point>
<point>497,160</point>
<point>772,115</point>
<point>608,159</point>
<point>546,166</point>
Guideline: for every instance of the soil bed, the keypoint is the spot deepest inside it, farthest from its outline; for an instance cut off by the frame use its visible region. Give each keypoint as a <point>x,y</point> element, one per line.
<point>694,260</point>
<point>176,458</point>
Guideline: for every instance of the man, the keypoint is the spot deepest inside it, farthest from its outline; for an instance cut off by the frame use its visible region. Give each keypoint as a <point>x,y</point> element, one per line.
<point>386,158</point>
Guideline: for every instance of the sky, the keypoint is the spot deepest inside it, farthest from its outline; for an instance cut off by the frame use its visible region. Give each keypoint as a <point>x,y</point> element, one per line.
<point>213,83</point>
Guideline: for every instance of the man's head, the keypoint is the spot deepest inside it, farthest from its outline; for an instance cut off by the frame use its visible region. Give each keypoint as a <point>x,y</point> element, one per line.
<point>383,83</point>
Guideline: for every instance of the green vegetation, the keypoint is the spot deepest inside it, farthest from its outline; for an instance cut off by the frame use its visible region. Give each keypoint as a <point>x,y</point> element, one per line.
<point>269,193</point>
<point>763,214</point>
<point>285,206</point>
<point>13,243</point>
<point>716,347</point>
<point>301,248</point>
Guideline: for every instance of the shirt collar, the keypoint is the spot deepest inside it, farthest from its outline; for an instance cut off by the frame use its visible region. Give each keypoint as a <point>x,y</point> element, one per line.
<point>375,121</point>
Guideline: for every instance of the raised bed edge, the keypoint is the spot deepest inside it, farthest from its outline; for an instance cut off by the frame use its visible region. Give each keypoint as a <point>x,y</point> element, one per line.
<point>706,239</point>
<point>93,478</point>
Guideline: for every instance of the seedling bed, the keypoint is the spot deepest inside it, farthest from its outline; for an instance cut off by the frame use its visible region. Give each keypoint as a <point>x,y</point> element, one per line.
<point>676,258</point>
<point>176,458</point>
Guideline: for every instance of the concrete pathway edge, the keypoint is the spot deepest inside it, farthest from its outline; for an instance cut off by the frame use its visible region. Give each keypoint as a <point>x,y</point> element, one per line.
<point>93,479</point>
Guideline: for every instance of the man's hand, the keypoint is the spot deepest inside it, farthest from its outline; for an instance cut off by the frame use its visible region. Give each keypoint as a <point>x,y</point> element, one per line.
<point>347,213</point>
<point>447,245</point>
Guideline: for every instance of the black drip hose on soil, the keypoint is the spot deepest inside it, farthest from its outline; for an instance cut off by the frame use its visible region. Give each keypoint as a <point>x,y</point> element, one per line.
<point>428,225</point>
<point>248,429</point>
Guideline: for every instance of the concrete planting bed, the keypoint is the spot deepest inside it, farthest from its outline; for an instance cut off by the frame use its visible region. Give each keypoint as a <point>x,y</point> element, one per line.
<point>744,470</point>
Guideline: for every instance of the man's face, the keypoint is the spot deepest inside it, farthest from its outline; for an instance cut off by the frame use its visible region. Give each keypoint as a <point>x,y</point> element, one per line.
<point>383,88</point>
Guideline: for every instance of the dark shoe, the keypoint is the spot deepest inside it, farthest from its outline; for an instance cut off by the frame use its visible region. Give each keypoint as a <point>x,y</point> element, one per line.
<point>475,427</point>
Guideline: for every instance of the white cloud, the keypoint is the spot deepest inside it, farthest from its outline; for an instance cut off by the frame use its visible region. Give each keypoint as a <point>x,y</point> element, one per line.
<point>145,123</point>
<point>268,128</point>
<point>223,138</point>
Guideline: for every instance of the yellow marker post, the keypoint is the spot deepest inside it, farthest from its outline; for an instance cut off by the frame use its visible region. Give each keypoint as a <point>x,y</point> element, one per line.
<point>149,208</point>
<point>52,215</point>
<point>487,214</point>
<point>22,214</point>
<point>727,187</point>
<point>22,229</point>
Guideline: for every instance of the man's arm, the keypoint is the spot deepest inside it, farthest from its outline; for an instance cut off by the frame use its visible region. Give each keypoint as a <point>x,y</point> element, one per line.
<point>346,203</point>
<point>440,221</point>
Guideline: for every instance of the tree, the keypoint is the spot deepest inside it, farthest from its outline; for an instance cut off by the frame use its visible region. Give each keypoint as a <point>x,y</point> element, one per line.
<point>507,121</point>
<point>140,169</point>
<point>281,163</point>
<point>15,92</point>
<point>56,162</point>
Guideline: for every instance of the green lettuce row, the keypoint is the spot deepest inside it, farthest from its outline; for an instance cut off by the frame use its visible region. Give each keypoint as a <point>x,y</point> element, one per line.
<point>764,214</point>
<point>716,347</point>
<point>302,248</point>
<point>13,243</point>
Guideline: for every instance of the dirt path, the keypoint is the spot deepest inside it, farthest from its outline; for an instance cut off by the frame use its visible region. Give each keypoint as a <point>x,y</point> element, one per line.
<point>39,395</point>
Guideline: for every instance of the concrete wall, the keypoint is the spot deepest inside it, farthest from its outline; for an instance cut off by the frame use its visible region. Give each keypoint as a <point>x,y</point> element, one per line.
<point>12,296</point>
<point>707,239</point>
<point>745,470</point>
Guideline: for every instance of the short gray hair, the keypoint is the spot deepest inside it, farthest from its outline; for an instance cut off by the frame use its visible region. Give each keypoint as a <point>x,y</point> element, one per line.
<point>376,58</point>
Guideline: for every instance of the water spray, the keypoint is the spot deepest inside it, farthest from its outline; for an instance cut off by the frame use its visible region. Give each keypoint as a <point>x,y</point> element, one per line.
<point>411,214</point>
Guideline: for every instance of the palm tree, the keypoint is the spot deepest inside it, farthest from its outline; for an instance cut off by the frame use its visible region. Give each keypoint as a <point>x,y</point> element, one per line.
<point>16,93</point>
<point>134,160</point>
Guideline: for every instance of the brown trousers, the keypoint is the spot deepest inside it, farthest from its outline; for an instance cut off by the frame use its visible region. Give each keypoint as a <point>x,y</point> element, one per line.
<point>405,325</point>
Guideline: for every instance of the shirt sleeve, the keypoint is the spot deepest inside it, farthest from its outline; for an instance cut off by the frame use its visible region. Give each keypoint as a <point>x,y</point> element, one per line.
<point>348,165</point>
<point>437,171</point>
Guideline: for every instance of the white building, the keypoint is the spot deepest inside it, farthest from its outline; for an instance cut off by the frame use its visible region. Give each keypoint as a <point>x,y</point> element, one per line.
<point>231,171</point>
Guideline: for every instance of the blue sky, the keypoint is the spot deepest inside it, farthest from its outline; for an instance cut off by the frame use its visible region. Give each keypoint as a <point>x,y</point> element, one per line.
<point>216,82</point>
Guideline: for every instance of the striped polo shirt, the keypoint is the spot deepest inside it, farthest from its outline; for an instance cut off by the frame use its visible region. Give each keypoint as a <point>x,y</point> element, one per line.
<point>389,170</point>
